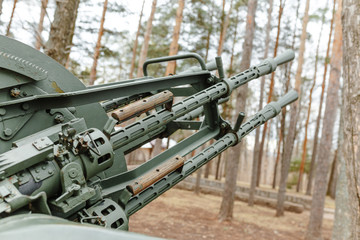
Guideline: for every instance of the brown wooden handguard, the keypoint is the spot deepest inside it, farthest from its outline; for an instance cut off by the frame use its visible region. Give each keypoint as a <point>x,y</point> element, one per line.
<point>136,108</point>
<point>155,175</point>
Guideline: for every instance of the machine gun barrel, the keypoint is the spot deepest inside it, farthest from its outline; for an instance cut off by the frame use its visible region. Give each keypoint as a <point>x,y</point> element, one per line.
<point>194,163</point>
<point>213,93</point>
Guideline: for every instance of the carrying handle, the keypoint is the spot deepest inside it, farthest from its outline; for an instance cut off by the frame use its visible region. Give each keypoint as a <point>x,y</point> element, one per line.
<point>171,58</point>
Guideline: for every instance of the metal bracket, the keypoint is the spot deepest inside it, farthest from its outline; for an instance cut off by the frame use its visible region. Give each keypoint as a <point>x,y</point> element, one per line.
<point>105,213</point>
<point>75,192</point>
<point>42,171</point>
<point>42,143</point>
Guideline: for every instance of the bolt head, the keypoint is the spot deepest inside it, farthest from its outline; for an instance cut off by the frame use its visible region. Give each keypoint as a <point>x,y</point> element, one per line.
<point>8,132</point>
<point>73,173</point>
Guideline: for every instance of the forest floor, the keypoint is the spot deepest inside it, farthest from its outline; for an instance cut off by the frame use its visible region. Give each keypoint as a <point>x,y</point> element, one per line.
<point>180,214</point>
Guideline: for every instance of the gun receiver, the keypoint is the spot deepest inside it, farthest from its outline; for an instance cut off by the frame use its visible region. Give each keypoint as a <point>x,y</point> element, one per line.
<point>72,165</point>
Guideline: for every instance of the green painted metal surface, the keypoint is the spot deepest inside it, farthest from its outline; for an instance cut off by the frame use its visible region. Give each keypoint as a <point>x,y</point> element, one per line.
<point>61,155</point>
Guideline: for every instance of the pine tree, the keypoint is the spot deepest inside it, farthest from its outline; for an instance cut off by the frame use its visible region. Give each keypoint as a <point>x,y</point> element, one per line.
<point>174,47</point>
<point>272,82</point>
<point>227,204</point>
<point>39,41</point>
<point>224,28</point>
<point>98,45</point>
<point>283,111</point>
<point>323,163</point>
<point>257,134</point>
<point>304,150</point>
<point>62,31</point>
<point>231,71</point>
<point>317,128</point>
<point>1,2</point>
<point>11,19</point>
<point>145,46</point>
<point>290,138</point>
<point>342,222</point>
<point>132,66</point>
<point>351,61</point>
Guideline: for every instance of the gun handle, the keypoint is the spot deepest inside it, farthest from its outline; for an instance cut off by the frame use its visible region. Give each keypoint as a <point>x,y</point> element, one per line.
<point>136,108</point>
<point>155,175</point>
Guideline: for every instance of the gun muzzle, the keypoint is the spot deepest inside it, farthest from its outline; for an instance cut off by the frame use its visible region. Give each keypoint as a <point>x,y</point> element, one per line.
<point>285,57</point>
<point>288,98</point>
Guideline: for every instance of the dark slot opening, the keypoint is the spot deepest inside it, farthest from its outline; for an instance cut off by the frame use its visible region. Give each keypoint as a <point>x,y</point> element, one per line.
<point>104,158</point>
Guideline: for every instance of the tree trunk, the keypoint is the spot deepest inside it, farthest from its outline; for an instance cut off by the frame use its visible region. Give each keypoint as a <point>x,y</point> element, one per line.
<point>261,150</point>
<point>289,143</point>
<point>207,169</point>
<point>145,46</point>
<point>197,183</point>
<point>262,86</point>
<point>157,148</point>
<point>98,46</point>
<point>217,173</point>
<point>317,128</point>
<point>62,31</point>
<point>136,43</point>
<point>277,158</point>
<point>224,29</point>
<point>198,172</point>
<point>351,14</point>
<point>304,150</point>
<point>263,169</point>
<point>283,111</point>
<point>333,176</point>
<point>231,71</point>
<point>336,166</point>
<point>208,37</point>
<point>227,204</point>
<point>11,18</point>
<point>39,41</point>
<point>227,105</point>
<point>342,222</point>
<point>1,2</point>
<point>323,163</point>
<point>174,46</point>
<point>173,50</point>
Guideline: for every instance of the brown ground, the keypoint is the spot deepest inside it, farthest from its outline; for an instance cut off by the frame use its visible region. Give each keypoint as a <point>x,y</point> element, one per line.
<point>180,214</point>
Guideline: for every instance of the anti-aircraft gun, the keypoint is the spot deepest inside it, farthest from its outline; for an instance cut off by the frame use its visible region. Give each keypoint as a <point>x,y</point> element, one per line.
<point>62,161</point>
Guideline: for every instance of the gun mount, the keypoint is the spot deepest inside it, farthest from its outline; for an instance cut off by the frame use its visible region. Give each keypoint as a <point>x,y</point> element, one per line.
<point>60,154</point>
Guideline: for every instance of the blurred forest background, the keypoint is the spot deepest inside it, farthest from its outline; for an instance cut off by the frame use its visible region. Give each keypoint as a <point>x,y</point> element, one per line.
<point>310,150</point>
